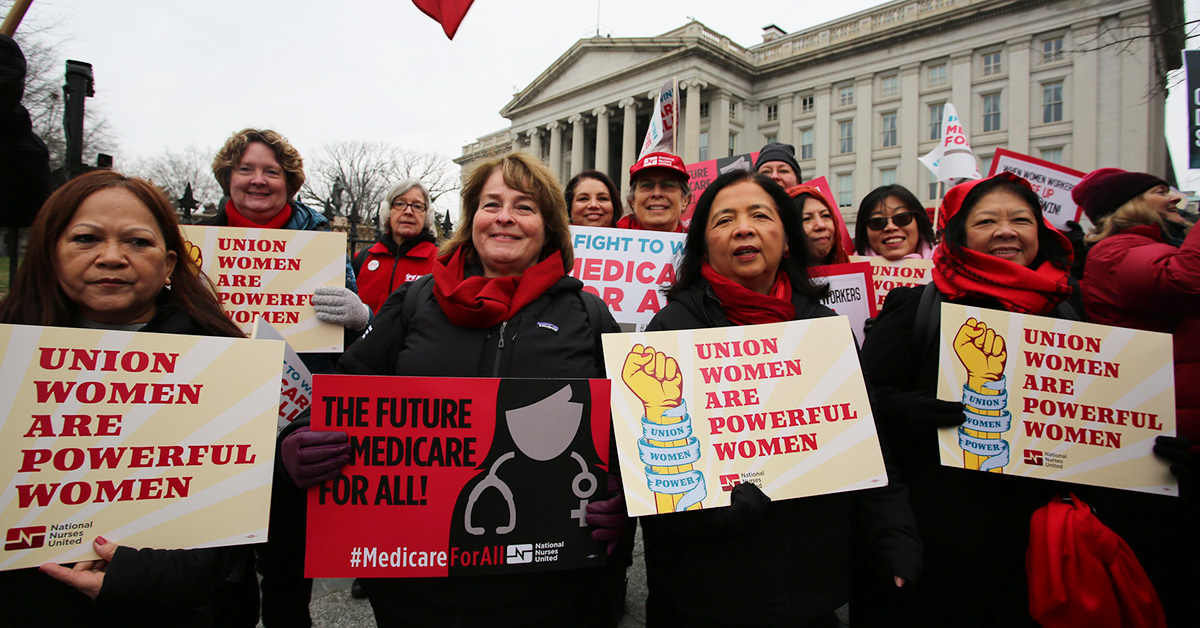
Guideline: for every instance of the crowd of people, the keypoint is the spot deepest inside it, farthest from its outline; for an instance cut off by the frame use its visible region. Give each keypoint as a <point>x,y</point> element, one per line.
<point>937,546</point>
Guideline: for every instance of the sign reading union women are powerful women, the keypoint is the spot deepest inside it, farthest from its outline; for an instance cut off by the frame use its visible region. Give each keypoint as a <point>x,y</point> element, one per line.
<point>1055,399</point>
<point>151,440</point>
<point>783,406</point>
<point>454,476</point>
<point>271,274</point>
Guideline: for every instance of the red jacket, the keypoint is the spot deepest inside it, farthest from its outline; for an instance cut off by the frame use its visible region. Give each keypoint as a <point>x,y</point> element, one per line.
<point>1135,279</point>
<point>384,267</point>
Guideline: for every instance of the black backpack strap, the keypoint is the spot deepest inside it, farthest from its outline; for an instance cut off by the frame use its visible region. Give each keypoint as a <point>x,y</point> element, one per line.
<point>359,259</point>
<point>929,319</point>
<point>419,292</point>
<point>592,306</point>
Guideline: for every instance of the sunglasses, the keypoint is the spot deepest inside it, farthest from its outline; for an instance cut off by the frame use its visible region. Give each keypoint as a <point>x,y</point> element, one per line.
<point>879,223</point>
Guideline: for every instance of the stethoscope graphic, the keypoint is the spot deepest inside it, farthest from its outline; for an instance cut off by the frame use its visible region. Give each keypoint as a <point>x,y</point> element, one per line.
<point>541,431</point>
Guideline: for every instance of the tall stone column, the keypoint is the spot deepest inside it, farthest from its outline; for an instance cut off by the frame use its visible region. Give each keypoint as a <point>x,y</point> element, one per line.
<point>629,146</point>
<point>823,138</point>
<point>691,120</point>
<point>1084,111</point>
<point>867,135</point>
<point>912,131</point>
<point>786,123</point>
<point>535,142</point>
<point>577,164</point>
<point>1020,101</point>
<point>718,130</point>
<point>556,164</point>
<point>602,114</point>
<point>960,93</point>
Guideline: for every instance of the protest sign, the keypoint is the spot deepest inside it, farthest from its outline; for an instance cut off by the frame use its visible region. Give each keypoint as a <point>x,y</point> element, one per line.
<point>1052,182</point>
<point>626,269</point>
<point>851,293</point>
<point>661,134</point>
<point>702,173</point>
<point>952,158</point>
<point>454,476</point>
<point>151,440</point>
<point>295,392</point>
<point>886,275</point>
<point>271,274</point>
<point>1056,399</point>
<point>783,405</point>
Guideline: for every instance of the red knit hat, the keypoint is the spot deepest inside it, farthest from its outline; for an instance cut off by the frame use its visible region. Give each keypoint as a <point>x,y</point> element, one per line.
<point>1081,573</point>
<point>1103,191</point>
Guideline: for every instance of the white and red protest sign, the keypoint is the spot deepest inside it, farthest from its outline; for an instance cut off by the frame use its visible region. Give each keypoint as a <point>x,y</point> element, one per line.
<point>1054,399</point>
<point>271,274</point>
<point>627,269</point>
<point>851,293</point>
<point>702,173</point>
<point>1052,182</point>
<point>295,393</point>
<point>886,275</point>
<point>150,440</point>
<point>455,476</point>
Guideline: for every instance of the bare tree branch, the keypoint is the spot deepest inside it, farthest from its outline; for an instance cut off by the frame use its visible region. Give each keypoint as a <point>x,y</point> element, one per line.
<point>174,170</point>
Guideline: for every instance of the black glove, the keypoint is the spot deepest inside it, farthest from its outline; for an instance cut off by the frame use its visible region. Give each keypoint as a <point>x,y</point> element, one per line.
<point>925,410</point>
<point>748,506</point>
<point>1177,451</point>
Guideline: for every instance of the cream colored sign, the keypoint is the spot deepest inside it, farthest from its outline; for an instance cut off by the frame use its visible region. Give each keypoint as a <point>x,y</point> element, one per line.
<point>271,273</point>
<point>151,440</point>
<point>1055,399</point>
<point>783,406</point>
<point>886,275</point>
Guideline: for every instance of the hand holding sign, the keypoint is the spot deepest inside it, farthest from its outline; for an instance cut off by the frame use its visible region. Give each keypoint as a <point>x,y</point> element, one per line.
<point>981,351</point>
<point>87,576</point>
<point>654,378</point>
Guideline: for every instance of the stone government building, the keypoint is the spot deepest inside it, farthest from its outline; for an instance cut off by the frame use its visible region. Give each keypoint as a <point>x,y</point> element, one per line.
<point>1076,82</point>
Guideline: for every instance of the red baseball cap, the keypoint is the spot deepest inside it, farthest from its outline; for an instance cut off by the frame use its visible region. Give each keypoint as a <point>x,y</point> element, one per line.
<point>659,160</point>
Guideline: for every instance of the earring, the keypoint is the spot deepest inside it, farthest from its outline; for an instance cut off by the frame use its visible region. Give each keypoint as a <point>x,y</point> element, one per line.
<point>168,284</point>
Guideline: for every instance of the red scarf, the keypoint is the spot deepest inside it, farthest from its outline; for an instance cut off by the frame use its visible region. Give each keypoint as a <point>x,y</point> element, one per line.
<point>236,219</point>
<point>962,273</point>
<point>744,306</point>
<point>480,302</point>
<point>631,222</point>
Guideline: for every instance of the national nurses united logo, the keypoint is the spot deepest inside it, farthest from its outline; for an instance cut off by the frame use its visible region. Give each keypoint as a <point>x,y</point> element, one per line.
<point>984,397</point>
<point>31,537</point>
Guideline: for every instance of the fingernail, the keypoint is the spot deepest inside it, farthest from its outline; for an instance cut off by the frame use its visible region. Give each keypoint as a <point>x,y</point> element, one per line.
<point>101,540</point>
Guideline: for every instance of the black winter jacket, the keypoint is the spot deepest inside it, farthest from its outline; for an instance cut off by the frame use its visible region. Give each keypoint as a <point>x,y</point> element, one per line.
<point>549,337</point>
<point>142,587</point>
<point>791,568</point>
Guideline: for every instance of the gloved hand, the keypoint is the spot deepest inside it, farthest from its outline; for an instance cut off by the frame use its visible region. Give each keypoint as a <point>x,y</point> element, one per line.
<point>608,518</point>
<point>925,410</point>
<point>747,506</point>
<point>335,304</point>
<point>1177,451</point>
<point>313,457</point>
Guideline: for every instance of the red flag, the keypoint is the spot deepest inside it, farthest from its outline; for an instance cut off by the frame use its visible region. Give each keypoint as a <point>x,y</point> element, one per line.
<point>448,13</point>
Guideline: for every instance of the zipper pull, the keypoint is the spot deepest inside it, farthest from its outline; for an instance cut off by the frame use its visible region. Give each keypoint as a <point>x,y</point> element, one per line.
<point>502,326</point>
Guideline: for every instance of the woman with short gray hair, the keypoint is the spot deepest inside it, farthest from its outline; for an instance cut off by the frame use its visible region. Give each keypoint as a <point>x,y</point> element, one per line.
<point>405,250</point>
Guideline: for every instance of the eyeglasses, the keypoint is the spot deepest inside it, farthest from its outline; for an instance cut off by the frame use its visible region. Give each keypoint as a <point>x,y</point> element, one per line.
<point>879,223</point>
<point>418,208</point>
<point>667,185</point>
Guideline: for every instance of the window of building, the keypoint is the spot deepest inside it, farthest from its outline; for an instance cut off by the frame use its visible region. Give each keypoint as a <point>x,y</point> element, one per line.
<point>935,75</point>
<point>991,112</point>
<point>807,104</point>
<point>772,112</point>
<point>732,144</point>
<point>935,120</point>
<point>770,139</point>
<point>846,95</point>
<point>806,144</point>
<point>889,86</point>
<point>937,189</point>
<point>985,164</point>
<point>888,125</point>
<point>704,146</point>
<point>704,109</point>
<point>1052,49</point>
<point>846,137</point>
<point>733,108</point>
<point>846,189</point>
<point>1053,155</point>
<point>991,63</point>
<point>1052,102</point>
<point>887,176</point>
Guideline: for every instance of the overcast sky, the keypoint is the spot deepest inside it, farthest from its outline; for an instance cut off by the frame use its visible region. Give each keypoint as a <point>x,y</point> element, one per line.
<point>170,74</point>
